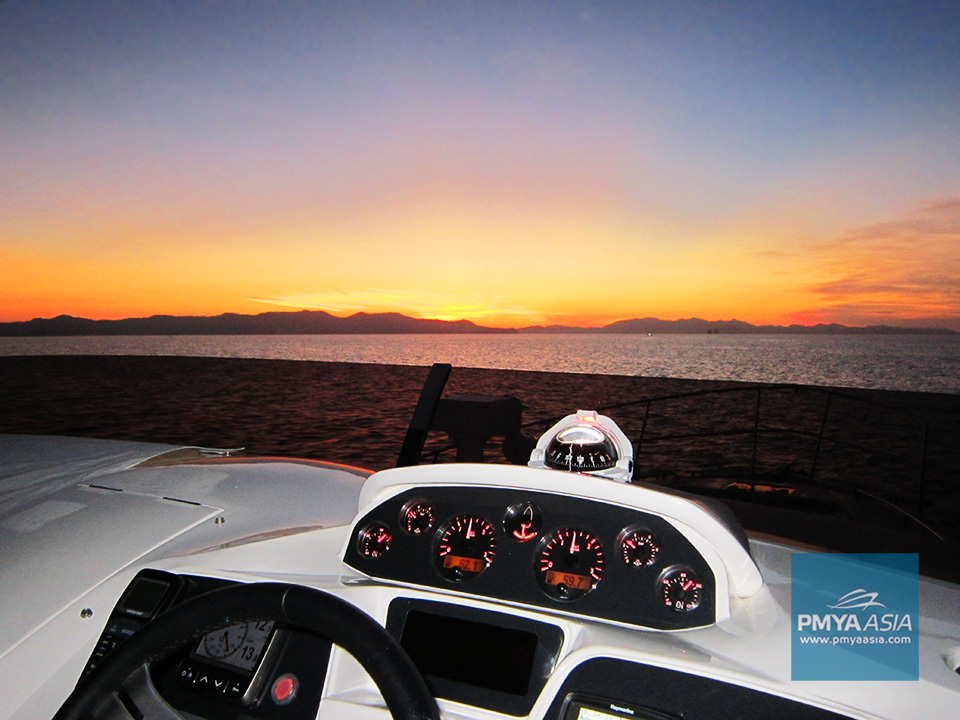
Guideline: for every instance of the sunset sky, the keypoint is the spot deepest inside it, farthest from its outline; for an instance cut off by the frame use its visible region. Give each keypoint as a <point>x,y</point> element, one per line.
<point>511,163</point>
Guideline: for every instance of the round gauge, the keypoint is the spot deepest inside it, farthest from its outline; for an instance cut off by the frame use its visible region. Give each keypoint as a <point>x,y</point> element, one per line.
<point>638,547</point>
<point>225,641</point>
<point>374,540</point>
<point>569,563</point>
<point>417,517</point>
<point>680,589</point>
<point>465,547</point>
<point>523,521</point>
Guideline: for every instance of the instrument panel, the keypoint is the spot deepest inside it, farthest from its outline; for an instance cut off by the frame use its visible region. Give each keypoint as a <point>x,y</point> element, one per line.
<point>566,554</point>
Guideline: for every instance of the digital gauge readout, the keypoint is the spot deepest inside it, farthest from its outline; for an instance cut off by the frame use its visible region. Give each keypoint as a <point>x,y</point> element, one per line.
<point>569,563</point>
<point>465,547</point>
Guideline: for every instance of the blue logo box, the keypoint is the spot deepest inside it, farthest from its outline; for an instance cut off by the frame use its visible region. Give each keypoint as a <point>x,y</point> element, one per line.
<point>855,616</point>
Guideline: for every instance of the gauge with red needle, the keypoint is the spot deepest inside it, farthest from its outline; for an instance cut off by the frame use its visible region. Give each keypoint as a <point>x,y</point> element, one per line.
<point>465,547</point>
<point>569,563</point>
<point>680,589</point>
<point>374,540</point>
<point>416,517</point>
<point>638,547</point>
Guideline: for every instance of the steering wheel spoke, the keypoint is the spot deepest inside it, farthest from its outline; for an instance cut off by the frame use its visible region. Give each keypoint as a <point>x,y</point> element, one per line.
<point>137,698</point>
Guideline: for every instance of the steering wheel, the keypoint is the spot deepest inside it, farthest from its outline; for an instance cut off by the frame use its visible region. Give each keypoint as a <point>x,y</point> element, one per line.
<point>122,679</point>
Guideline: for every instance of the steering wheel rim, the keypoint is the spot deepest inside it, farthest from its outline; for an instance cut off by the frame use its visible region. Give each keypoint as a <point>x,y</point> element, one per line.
<point>400,683</point>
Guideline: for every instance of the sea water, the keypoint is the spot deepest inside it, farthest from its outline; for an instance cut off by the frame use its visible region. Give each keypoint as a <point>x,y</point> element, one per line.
<point>927,363</point>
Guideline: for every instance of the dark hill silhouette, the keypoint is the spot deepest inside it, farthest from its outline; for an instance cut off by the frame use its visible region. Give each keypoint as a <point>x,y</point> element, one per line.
<point>316,322</point>
<point>304,322</point>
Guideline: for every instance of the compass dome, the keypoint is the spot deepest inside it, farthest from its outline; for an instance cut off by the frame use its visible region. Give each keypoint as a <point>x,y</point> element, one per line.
<point>581,448</point>
<point>585,443</point>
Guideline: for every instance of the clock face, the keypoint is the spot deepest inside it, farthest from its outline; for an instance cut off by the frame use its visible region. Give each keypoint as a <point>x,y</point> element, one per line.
<point>226,641</point>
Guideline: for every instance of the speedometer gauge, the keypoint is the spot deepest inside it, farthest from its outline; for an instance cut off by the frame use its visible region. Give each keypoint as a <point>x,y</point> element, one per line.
<point>465,547</point>
<point>569,563</point>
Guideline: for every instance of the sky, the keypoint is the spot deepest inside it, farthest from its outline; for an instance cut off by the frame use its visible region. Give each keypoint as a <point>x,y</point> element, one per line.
<point>510,163</point>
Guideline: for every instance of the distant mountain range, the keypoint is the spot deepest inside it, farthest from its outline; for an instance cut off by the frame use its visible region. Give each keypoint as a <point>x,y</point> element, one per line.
<point>316,322</point>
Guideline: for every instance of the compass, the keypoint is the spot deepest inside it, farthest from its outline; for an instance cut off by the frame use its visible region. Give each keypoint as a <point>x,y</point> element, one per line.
<point>586,443</point>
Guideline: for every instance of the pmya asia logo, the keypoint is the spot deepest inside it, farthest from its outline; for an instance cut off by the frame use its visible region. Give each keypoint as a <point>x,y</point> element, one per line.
<point>860,600</point>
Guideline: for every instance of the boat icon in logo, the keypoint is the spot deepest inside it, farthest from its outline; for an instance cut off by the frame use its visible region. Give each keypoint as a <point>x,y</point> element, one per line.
<point>857,599</point>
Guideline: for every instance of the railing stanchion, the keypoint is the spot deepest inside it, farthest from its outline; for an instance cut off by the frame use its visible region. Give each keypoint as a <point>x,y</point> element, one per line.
<point>756,435</point>
<point>823,429</point>
<point>923,469</point>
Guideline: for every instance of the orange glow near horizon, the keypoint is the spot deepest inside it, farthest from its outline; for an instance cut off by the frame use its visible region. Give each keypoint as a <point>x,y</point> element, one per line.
<point>508,268</point>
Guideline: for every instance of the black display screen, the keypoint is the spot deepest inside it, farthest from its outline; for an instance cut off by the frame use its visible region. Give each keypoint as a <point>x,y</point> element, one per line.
<point>143,597</point>
<point>473,653</point>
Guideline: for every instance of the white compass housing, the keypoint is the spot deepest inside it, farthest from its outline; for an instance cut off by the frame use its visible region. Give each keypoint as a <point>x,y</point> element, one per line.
<point>585,442</point>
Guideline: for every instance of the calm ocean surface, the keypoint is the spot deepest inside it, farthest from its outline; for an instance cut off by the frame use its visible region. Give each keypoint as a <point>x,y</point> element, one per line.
<point>928,363</point>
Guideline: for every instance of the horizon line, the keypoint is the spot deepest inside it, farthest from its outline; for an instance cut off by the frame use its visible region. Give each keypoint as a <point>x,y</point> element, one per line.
<point>487,328</point>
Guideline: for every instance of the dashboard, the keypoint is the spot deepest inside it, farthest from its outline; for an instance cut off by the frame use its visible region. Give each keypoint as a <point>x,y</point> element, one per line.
<point>559,553</point>
<point>486,576</point>
<point>480,658</point>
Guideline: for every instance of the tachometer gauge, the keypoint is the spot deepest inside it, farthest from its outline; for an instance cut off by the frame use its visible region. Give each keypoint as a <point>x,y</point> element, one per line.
<point>374,540</point>
<point>569,563</point>
<point>680,589</point>
<point>417,517</point>
<point>638,547</point>
<point>465,547</point>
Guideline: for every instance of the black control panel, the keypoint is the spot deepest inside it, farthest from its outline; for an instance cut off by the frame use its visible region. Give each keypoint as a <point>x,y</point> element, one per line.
<point>150,593</point>
<point>254,669</point>
<point>233,662</point>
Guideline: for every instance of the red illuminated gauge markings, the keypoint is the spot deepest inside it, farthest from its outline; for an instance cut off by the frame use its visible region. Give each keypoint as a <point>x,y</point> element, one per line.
<point>465,547</point>
<point>638,547</point>
<point>374,540</point>
<point>569,563</point>
<point>417,517</point>
<point>522,521</point>
<point>680,589</point>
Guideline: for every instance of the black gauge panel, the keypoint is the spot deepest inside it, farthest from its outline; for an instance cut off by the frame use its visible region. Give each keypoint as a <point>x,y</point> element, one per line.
<point>568,554</point>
